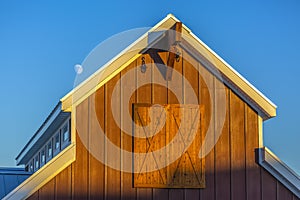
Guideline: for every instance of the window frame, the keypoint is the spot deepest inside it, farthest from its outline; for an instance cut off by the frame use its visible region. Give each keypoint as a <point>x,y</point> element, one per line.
<point>42,163</point>
<point>52,143</point>
<point>58,149</point>
<point>65,143</point>
<point>36,158</point>
<point>30,166</point>
<point>49,157</point>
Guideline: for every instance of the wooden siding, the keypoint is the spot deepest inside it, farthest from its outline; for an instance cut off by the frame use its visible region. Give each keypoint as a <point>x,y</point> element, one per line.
<point>230,168</point>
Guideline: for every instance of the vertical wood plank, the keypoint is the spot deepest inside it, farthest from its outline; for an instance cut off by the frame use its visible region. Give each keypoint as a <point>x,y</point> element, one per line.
<point>176,82</point>
<point>222,148</point>
<point>48,190</point>
<point>72,179</point>
<point>295,198</point>
<point>143,95</point>
<point>268,186</point>
<point>237,138</point>
<point>252,169</point>
<point>34,196</point>
<point>63,184</point>
<point>81,164</point>
<point>159,96</point>
<point>207,98</point>
<point>113,133</point>
<point>191,74</point>
<point>283,193</point>
<point>96,168</point>
<point>128,191</point>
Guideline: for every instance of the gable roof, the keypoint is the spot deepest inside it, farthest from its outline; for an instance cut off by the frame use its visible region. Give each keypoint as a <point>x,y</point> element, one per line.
<point>265,108</point>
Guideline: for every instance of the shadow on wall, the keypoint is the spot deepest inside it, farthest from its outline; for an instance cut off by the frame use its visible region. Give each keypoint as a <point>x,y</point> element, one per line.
<point>250,183</point>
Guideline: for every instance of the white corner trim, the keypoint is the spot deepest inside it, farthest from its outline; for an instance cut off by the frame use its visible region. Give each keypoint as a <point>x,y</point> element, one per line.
<point>44,174</point>
<point>279,170</point>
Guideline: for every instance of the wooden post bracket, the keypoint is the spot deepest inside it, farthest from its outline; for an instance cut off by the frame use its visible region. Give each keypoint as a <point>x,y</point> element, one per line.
<point>173,38</point>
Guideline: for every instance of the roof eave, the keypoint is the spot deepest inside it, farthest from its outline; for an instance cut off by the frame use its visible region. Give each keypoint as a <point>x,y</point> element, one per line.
<point>265,108</point>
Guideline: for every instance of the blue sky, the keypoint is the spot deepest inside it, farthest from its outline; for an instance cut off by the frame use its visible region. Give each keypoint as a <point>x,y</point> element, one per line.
<point>40,42</point>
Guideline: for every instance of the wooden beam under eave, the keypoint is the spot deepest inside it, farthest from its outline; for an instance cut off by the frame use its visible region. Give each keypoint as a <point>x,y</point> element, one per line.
<point>174,39</point>
<point>178,29</point>
<point>170,63</point>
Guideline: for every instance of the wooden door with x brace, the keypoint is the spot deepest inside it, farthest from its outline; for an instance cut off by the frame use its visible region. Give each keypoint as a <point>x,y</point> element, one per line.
<point>169,137</point>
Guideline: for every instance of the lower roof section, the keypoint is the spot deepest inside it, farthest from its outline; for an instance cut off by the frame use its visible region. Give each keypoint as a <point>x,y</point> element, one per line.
<point>44,174</point>
<point>10,178</point>
<point>279,170</point>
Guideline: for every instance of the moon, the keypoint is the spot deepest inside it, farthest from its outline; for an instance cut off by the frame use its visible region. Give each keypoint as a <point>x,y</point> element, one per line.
<point>78,69</point>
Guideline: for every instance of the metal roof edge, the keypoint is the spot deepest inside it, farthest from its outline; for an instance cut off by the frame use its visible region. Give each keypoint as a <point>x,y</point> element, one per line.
<point>270,162</point>
<point>14,171</point>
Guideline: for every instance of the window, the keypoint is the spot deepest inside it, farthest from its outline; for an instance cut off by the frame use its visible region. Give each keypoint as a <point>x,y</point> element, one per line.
<point>43,157</point>
<point>65,131</point>
<point>60,139</point>
<point>36,162</point>
<point>56,140</point>
<point>49,151</point>
<point>31,166</point>
<point>187,170</point>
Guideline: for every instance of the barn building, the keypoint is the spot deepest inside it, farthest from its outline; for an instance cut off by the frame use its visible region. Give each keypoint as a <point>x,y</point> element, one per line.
<point>166,118</point>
